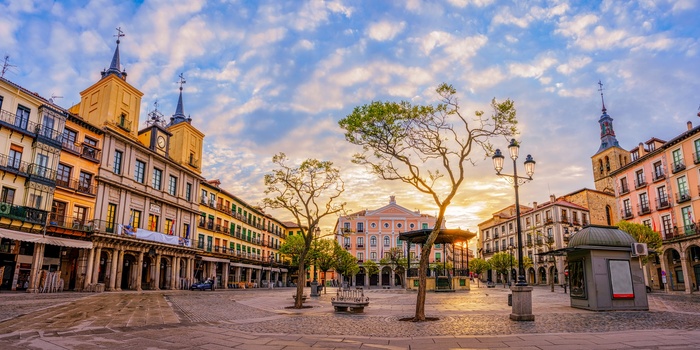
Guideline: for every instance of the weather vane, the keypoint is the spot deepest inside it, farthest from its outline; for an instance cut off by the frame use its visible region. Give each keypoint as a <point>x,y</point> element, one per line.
<point>120,34</point>
<point>182,80</point>
<point>601,95</point>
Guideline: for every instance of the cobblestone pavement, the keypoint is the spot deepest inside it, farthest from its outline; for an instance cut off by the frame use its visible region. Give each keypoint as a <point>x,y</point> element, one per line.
<point>260,319</point>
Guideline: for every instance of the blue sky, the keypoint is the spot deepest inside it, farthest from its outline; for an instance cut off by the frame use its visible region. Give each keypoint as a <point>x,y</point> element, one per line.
<point>270,76</point>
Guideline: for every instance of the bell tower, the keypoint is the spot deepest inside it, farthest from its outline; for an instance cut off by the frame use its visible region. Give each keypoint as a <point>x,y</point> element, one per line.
<point>185,146</point>
<point>610,156</point>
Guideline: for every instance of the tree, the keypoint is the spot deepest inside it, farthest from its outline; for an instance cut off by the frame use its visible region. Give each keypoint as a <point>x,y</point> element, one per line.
<point>292,248</point>
<point>425,147</point>
<point>643,234</point>
<point>502,263</point>
<point>309,192</point>
<point>478,265</point>
<point>371,269</point>
<point>346,263</point>
<point>324,254</point>
<point>395,260</point>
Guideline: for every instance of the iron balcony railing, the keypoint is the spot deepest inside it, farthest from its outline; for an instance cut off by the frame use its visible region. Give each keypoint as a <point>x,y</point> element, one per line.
<point>662,203</point>
<point>683,196</point>
<point>26,214</point>
<point>90,153</point>
<point>658,175</point>
<point>49,136</point>
<point>14,165</point>
<point>123,123</point>
<point>640,182</point>
<point>623,188</point>
<point>77,185</point>
<point>21,124</point>
<point>626,213</point>
<point>643,208</point>
<point>42,172</point>
<point>678,166</point>
<point>72,223</point>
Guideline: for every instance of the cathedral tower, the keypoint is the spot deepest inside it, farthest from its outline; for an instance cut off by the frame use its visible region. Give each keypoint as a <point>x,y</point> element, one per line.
<point>610,155</point>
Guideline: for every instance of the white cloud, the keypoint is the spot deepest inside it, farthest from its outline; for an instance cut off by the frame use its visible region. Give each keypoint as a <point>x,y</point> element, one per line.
<point>303,45</point>
<point>385,30</point>
<point>266,37</point>
<point>574,64</point>
<point>464,3</point>
<point>532,70</point>
<point>576,27</point>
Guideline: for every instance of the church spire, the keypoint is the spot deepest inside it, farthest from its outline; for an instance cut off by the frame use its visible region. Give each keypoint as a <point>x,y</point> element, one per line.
<point>115,65</point>
<point>179,115</point>
<point>607,133</point>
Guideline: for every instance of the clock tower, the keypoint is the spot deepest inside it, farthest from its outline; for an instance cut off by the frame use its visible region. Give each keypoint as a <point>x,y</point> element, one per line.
<point>155,136</point>
<point>610,155</point>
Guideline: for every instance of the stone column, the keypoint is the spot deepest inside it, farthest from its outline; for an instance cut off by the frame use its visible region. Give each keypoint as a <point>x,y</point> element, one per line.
<point>113,270</point>
<point>88,270</point>
<point>139,271</point>
<point>120,264</point>
<point>685,264</point>
<point>392,279</point>
<point>522,303</point>
<point>156,283</point>
<point>248,275</point>
<point>37,262</point>
<point>174,272</point>
<point>96,265</point>
<point>224,275</point>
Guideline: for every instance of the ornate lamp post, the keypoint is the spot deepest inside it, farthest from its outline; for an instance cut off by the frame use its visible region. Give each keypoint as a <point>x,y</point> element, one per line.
<point>522,294</point>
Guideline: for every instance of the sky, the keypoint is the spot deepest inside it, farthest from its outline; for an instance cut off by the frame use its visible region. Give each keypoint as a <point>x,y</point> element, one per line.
<point>273,76</point>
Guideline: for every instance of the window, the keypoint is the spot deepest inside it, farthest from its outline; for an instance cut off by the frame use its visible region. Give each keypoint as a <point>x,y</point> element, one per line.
<point>79,215</point>
<point>118,162</point>
<point>374,225</point>
<point>537,221</point>
<point>85,182</point>
<point>386,225</point>
<point>683,187</point>
<point>373,256</point>
<point>58,213</point>
<point>168,230</point>
<point>136,221</point>
<point>399,225</point>
<point>139,171</point>
<point>69,137</point>
<point>639,174</point>
<point>35,200</point>
<point>424,226</point>
<point>623,185</point>
<point>677,159</point>
<point>360,256</point>
<point>172,186</point>
<point>346,242</point>
<point>200,241</point>
<point>15,157</point>
<point>346,227</point>
<point>644,201</point>
<point>22,117</point>
<point>152,222</point>
<point>373,241</point>
<point>188,192</point>
<point>90,142</point>
<point>686,214</point>
<point>48,126</point>
<point>438,256</point>
<point>42,162</point>
<point>663,197</point>
<point>647,223</point>
<point>658,170</point>
<point>412,225</point>
<point>360,227</point>
<point>7,195</point>
<point>157,178</point>
<point>63,175</point>
<point>360,242</point>
<point>511,241</point>
<point>111,217</point>
<point>667,226</point>
<point>387,241</point>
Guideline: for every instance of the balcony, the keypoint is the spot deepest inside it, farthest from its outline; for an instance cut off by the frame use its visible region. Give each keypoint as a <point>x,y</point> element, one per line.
<point>640,182</point>
<point>14,165</point>
<point>49,136</point>
<point>683,196</point>
<point>77,186</point>
<point>495,249</point>
<point>539,241</point>
<point>678,166</point>
<point>662,203</point>
<point>575,222</point>
<point>26,214</point>
<point>623,188</point>
<point>696,158</point>
<point>71,223</point>
<point>626,213</point>
<point>20,124</point>
<point>566,237</point>
<point>70,147</point>
<point>123,123</point>
<point>487,251</point>
<point>495,235</point>
<point>201,223</point>
<point>658,175</point>
<point>643,208</point>
<point>90,153</point>
<point>193,162</point>
<point>42,174</point>
<point>360,245</point>
<point>210,225</point>
<point>548,221</point>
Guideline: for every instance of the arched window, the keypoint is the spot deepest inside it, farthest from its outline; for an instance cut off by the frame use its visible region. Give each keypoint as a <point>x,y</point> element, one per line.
<point>600,165</point>
<point>607,163</point>
<point>608,215</point>
<point>387,241</point>
<point>373,241</point>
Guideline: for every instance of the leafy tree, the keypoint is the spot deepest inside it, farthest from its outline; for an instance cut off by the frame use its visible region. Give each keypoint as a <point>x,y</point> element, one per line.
<point>292,248</point>
<point>502,262</point>
<point>478,266</point>
<point>309,192</point>
<point>643,234</point>
<point>324,254</point>
<point>346,263</point>
<point>426,147</point>
<point>371,268</point>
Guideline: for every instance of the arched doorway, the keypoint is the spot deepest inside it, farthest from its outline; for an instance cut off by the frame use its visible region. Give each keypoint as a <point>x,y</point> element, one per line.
<point>554,274</point>
<point>102,268</point>
<point>386,276</point>
<point>146,280</point>
<point>531,276</point>
<point>694,257</point>
<point>360,277</point>
<point>128,275</point>
<point>674,275</point>
<point>398,276</point>
<point>543,275</point>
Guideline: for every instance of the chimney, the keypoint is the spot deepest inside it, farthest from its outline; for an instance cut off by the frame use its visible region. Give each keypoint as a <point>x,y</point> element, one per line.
<point>534,205</point>
<point>641,149</point>
<point>552,198</point>
<point>690,125</point>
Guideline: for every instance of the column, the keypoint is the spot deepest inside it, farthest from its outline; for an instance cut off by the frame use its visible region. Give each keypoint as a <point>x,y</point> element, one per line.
<point>96,264</point>
<point>113,270</point>
<point>37,261</point>
<point>248,275</point>
<point>88,270</point>
<point>139,271</point>
<point>392,282</point>
<point>685,264</point>
<point>224,275</point>
<point>118,275</point>
<point>156,283</point>
<point>174,272</point>
<point>237,274</point>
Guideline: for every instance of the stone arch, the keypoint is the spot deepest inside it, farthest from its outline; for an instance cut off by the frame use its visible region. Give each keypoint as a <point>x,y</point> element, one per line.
<point>543,275</point>
<point>608,215</point>
<point>165,272</point>
<point>386,276</point>
<point>128,280</point>
<point>531,276</point>
<point>103,266</point>
<point>674,273</point>
<point>693,254</point>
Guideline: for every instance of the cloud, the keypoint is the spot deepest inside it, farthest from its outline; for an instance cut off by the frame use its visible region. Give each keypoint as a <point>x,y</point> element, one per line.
<point>465,3</point>
<point>385,30</point>
<point>574,64</point>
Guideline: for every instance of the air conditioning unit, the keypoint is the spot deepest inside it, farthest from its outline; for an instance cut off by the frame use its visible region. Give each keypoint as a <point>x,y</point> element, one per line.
<point>639,249</point>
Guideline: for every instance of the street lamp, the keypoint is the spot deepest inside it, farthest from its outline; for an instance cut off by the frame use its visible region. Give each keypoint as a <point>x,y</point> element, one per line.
<point>521,312</point>
<point>269,276</point>
<point>510,272</point>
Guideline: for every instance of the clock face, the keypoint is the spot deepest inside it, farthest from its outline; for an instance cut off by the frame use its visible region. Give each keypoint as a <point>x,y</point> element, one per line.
<point>161,142</point>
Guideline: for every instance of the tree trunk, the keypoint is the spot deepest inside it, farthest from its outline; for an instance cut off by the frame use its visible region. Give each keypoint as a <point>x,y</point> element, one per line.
<point>299,300</point>
<point>422,285</point>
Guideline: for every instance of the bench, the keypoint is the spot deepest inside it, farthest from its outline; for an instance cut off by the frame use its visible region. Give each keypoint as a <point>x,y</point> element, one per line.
<point>490,285</point>
<point>353,301</point>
